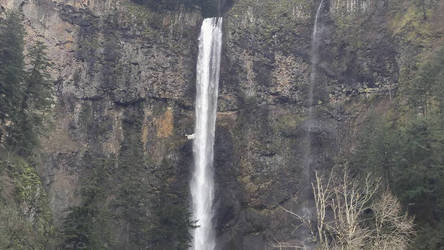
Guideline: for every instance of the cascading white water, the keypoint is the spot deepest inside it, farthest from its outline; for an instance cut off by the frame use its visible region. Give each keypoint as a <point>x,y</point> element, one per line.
<point>202,182</point>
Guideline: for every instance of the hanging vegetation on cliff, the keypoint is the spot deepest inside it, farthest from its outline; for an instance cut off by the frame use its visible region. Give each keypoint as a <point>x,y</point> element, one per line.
<point>26,94</point>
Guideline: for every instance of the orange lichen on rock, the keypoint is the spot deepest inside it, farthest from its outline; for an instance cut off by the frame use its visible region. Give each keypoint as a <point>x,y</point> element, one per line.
<point>165,124</point>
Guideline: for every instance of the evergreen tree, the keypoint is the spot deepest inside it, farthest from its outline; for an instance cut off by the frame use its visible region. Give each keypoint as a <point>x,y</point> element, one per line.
<point>11,70</point>
<point>35,103</point>
<point>39,87</point>
<point>25,95</point>
<point>407,147</point>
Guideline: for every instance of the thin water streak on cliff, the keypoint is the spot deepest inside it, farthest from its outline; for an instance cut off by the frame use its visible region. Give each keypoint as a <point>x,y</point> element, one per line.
<point>314,56</point>
<point>315,42</point>
<point>202,182</point>
<point>309,156</point>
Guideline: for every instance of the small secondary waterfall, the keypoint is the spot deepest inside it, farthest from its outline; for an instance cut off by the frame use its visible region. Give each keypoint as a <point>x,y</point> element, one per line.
<point>314,56</point>
<point>202,182</point>
<point>309,155</point>
<point>315,43</point>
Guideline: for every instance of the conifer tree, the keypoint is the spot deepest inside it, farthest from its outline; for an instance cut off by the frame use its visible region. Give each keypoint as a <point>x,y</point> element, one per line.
<point>11,70</point>
<point>25,95</point>
<point>36,101</point>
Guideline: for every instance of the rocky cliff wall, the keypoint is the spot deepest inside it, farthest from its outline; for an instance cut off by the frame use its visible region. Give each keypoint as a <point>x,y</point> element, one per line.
<point>265,84</point>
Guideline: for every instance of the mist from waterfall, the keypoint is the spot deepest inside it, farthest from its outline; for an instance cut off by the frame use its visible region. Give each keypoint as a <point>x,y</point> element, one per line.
<point>202,182</point>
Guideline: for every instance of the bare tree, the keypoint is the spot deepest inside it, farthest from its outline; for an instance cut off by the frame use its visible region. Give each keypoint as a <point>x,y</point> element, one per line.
<point>355,213</point>
<point>393,228</point>
<point>349,201</point>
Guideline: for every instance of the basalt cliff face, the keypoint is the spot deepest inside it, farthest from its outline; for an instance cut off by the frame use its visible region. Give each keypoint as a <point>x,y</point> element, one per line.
<point>124,75</point>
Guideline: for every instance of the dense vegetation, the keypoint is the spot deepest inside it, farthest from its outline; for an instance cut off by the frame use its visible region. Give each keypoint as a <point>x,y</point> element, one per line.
<point>405,145</point>
<point>26,90</point>
<point>117,201</point>
<point>25,102</point>
<point>111,197</point>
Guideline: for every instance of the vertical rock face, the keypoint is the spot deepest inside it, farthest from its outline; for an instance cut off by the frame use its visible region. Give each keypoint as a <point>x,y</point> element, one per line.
<point>125,81</point>
<point>125,84</point>
<point>264,107</point>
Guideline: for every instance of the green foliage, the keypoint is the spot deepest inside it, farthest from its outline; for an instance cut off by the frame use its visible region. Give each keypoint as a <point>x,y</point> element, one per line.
<point>39,87</point>
<point>171,224</point>
<point>25,99</point>
<point>36,102</point>
<point>16,232</point>
<point>88,226</point>
<point>11,68</point>
<point>77,228</point>
<point>376,147</point>
<point>80,229</point>
<point>409,157</point>
<point>127,201</point>
<point>406,149</point>
<point>158,218</point>
<point>26,95</point>
<point>410,21</point>
<point>24,213</point>
<point>133,198</point>
<point>424,87</point>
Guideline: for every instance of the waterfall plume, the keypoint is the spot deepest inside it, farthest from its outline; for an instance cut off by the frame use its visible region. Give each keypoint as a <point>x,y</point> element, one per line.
<point>202,182</point>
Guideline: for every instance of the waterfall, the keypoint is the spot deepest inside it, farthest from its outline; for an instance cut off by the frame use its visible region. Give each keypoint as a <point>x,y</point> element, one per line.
<point>314,56</point>
<point>202,182</point>
<point>309,155</point>
<point>315,43</point>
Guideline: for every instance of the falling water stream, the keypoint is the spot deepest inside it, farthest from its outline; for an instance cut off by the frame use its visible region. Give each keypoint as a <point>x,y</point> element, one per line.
<point>309,155</point>
<point>202,182</point>
<point>315,43</point>
<point>314,57</point>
